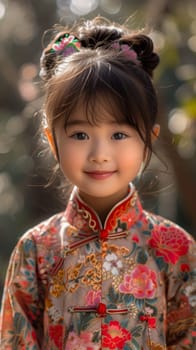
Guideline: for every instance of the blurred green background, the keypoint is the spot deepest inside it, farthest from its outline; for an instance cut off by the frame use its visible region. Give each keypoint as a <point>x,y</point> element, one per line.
<point>24,200</point>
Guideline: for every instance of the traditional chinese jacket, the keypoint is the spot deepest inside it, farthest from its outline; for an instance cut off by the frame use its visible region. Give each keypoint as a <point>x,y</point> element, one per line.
<point>75,284</point>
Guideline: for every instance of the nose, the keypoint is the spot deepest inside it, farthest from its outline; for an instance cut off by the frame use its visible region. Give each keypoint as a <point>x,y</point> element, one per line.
<point>99,152</point>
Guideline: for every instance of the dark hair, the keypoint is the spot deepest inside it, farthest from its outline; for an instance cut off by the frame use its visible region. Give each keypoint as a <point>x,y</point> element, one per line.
<point>97,72</point>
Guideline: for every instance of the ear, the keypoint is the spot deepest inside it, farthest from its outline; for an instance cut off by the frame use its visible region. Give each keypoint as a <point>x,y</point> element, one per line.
<point>155,132</point>
<point>51,142</point>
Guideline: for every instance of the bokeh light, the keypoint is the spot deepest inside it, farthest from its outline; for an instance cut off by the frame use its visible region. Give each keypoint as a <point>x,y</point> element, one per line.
<point>81,7</point>
<point>2,9</point>
<point>178,121</point>
<point>111,7</point>
<point>158,39</point>
<point>186,71</point>
<point>27,90</point>
<point>28,71</point>
<point>26,86</point>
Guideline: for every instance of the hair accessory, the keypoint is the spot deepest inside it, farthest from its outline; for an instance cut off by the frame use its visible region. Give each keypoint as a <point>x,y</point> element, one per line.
<point>66,45</point>
<point>127,51</point>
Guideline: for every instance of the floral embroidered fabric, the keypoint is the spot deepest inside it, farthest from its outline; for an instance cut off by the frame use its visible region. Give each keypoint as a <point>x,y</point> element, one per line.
<point>74,284</point>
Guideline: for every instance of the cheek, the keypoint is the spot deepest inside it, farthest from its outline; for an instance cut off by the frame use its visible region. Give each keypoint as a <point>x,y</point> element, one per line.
<point>69,157</point>
<point>132,164</point>
<point>133,155</point>
<point>131,161</point>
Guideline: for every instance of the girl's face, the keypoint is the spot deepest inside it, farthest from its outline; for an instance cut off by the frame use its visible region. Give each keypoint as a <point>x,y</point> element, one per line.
<point>100,159</point>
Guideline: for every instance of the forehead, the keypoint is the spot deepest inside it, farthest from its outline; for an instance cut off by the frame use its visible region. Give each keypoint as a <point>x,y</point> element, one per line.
<point>96,110</point>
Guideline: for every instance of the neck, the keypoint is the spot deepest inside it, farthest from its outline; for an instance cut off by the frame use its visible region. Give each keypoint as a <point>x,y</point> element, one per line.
<point>103,205</point>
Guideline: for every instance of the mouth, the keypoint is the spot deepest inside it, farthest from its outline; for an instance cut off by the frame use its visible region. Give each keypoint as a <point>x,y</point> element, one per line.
<point>100,175</point>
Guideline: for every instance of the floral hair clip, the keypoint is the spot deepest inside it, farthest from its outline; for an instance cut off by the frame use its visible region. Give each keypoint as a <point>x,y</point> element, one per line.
<point>66,45</point>
<point>127,51</point>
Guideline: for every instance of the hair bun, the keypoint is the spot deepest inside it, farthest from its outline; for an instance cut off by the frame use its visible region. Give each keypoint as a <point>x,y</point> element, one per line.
<point>93,37</point>
<point>143,46</point>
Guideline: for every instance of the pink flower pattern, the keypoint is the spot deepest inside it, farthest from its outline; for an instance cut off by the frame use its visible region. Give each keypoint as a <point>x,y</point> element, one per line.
<point>81,342</point>
<point>141,282</point>
<point>93,297</point>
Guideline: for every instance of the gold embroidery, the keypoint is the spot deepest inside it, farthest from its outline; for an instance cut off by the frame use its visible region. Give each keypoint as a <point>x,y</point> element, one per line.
<point>57,290</point>
<point>71,231</point>
<point>92,278</point>
<point>58,285</point>
<point>73,272</point>
<point>91,258</point>
<point>73,277</point>
<point>87,216</point>
<point>123,251</point>
<point>133,311</point>
<point>116,281</point>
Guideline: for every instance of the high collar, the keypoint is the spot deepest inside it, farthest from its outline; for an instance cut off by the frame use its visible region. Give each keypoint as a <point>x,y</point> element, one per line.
<point>120,218</point>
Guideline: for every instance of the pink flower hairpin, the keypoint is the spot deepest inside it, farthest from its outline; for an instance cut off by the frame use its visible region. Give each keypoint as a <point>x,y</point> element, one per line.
<point>127,51</point>
<point>66,44</point>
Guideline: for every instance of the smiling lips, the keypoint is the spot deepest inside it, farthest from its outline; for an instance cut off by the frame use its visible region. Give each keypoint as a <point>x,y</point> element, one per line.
<point>100,175</point>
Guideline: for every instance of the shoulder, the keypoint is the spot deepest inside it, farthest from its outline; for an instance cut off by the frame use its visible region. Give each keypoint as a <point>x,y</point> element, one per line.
<point>46,233</point>
<point>161,225</point>
<point>38,247</point>
<point>168,239</point>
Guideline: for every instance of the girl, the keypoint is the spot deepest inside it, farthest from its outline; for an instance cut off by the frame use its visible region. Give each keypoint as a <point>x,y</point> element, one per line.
<point>103,274</point>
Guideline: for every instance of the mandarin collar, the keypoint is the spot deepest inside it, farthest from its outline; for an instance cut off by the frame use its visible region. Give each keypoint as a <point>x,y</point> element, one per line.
<point>120,218</point>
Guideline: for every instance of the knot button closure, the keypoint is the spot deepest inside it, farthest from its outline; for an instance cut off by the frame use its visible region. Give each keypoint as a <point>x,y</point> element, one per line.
<point>103,235</point>
<point>101,310</point>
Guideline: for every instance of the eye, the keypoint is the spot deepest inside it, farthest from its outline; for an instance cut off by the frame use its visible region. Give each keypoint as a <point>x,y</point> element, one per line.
<point>119,136</point>
<point>80,136</point>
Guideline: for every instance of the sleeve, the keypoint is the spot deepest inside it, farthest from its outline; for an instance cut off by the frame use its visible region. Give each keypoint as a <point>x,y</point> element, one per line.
<point>181,301</point>
<point>21,319</point>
